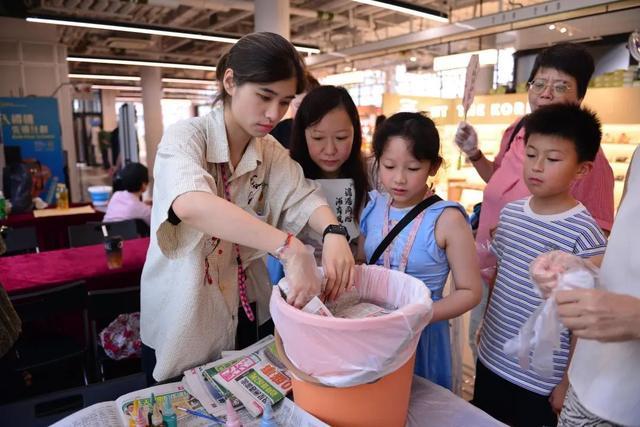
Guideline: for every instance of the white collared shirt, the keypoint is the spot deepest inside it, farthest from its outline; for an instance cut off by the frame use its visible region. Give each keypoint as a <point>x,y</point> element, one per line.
<point>183,318</point>
<point>606,375</point>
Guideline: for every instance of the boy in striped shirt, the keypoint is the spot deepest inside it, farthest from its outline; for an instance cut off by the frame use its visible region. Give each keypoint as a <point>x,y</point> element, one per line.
<point>561,145</point>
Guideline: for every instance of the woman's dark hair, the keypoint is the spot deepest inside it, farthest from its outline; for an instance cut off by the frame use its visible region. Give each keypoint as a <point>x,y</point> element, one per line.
<point>315,105</point>
<point>571,59</point>
<point>132,176</point>
<point>417,129</point>
<point>261,58</point>
<point>310,81</point>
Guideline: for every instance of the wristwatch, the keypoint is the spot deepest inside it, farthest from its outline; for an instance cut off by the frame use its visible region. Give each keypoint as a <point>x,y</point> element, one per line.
<point>336,229</point>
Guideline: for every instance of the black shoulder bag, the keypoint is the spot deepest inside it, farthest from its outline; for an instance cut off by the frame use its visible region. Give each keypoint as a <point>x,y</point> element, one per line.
<point>402,224</point>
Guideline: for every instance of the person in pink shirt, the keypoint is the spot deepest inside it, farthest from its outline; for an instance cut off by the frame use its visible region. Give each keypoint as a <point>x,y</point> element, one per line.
<point>126,204</point>
<point>560,74</point>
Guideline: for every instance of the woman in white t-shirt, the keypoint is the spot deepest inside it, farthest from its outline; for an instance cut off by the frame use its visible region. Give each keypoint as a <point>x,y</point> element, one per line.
<point>224,190</point>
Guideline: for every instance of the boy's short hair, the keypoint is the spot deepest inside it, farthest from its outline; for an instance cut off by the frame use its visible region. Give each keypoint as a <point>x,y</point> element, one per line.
<point>570,58</point>
<point>568,121</point>
<point>133,176</point>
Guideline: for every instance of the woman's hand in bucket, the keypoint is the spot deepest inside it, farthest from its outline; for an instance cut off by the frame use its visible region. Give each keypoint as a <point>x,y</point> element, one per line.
<point>338,265</point>
<point>301,272</point>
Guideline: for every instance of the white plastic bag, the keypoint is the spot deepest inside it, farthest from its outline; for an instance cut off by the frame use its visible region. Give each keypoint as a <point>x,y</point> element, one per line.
<point>540,335</point>
<point>347,352</point>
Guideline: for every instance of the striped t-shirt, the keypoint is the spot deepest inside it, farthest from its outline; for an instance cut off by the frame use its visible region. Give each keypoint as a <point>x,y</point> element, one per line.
<point>521,236</point>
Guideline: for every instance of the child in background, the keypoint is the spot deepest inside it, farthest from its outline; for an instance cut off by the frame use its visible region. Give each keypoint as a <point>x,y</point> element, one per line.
<point>126,204</point>
<point>561,144</point>
<point>437,241</point>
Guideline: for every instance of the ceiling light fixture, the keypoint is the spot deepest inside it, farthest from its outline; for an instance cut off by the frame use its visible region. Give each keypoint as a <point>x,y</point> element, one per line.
<point>165,89</point>
<point>563,30</point>
<point>189,81</point>
<point>116,87</point>
<point>156,31</point>
<point>552,26</point>
<point>140,63</point>
<point>413,59</point>
<point>104,77</point>
<point>409,9</point>
<point>137,79</point>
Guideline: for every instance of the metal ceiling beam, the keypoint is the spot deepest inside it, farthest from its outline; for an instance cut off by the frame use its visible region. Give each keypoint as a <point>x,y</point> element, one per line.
<point>248,5</point>
<point>524,17</point>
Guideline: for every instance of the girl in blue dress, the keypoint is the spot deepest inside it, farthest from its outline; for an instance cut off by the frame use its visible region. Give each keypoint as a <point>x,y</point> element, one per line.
<point>439,240</point>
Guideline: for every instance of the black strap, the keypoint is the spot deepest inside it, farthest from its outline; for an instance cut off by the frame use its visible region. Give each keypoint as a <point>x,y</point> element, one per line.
<point>515,132</point>
<point>172,217</point>
<point>402,224</point>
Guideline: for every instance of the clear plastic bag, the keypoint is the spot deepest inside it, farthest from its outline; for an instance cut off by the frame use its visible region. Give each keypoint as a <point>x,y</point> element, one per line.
<point>540,335</point>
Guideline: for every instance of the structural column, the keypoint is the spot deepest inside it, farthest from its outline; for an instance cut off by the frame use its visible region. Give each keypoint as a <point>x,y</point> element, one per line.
<point>273,16</point>
<point>151,102</point>
<point>109,116</point>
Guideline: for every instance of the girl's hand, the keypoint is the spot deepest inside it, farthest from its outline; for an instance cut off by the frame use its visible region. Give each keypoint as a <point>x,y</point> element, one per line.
<point>338,265</point>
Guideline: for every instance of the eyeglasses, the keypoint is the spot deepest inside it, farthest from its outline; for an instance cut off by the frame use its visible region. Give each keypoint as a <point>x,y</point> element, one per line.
<point>538,86</point>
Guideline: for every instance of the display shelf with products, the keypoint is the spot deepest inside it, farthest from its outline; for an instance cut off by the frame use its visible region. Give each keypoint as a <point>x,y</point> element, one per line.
<point>617,108</point>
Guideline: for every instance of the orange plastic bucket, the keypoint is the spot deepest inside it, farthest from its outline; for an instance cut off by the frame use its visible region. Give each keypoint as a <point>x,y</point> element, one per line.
<point>382,403</point>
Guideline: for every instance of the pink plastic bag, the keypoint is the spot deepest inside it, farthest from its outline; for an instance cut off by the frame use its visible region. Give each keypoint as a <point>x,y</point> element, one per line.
<point>121,339</point>
<point>347,352</point>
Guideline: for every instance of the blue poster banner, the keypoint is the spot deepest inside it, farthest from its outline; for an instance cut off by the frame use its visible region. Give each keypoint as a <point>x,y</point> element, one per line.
<point>33,124</point>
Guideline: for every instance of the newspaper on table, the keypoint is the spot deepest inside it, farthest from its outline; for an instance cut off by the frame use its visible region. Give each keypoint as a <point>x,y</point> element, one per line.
<point>288,414</point>
<point>119,412</point>
<point>255,379</point>
<point>210,393</point>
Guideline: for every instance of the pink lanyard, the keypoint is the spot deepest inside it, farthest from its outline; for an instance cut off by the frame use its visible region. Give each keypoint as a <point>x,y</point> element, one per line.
<point>242,277</point>
<point>412,236</point>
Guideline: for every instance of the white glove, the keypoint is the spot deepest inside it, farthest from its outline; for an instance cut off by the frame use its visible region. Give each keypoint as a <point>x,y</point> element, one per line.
<point>466,138</point>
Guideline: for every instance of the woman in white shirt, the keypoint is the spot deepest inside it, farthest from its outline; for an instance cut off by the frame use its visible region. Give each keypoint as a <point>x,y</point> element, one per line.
<point>604,376</point>
<point>224,189</point>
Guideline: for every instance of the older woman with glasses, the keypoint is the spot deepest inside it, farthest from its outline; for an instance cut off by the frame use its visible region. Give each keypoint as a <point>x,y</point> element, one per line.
<point>560,74</point>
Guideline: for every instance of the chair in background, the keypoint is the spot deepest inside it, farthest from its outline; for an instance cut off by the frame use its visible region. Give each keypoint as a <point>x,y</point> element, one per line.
<point>47,409</point>
<point>54,339</point>
<point>128,229</point>
<point>20,240</point>
<point>91,232</point>
<point>104,306</point>
<point>84,235</point>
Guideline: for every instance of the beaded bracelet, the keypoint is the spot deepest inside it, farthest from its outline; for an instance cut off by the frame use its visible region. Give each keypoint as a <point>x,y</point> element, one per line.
<point>287,242</point>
